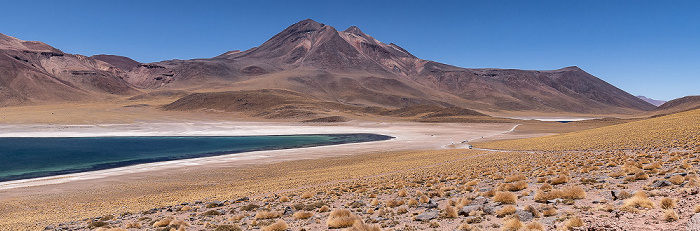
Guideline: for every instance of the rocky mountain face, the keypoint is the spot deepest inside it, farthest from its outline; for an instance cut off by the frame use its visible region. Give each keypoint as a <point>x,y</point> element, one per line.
<point>352,68</point>
<point>34,71</point>
<point>678,105</point>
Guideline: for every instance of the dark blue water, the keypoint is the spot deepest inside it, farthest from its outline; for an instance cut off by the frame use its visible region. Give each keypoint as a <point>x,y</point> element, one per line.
<point>23,158</point>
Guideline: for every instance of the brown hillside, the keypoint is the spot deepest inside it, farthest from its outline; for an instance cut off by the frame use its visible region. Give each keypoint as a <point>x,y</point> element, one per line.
<point>679,105</point>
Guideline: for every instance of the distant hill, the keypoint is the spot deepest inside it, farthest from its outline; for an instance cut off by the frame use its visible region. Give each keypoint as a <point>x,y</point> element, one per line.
<point>651,101</point>
<point>348,68</point>
<point>679,105</point>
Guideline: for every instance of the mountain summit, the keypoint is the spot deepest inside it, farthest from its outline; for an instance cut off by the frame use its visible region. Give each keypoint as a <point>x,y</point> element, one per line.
<point>346,67</point>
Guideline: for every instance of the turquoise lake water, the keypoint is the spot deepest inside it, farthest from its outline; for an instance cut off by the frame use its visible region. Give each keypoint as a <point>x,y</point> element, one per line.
<point>23,158</point>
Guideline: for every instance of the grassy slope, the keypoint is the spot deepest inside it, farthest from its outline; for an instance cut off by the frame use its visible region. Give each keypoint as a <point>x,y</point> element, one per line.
<point>680,130</point>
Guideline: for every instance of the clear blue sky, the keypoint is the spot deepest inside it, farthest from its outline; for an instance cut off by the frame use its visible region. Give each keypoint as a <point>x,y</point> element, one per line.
<point>650,48</point>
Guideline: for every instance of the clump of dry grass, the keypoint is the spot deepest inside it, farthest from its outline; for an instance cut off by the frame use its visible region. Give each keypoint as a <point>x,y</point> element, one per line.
<point>341,218</point>
<point>302,214</point>
<point>134,225</point>
<point>517,186</point>
<point>162,223</point>
<point>668,203</point>
<point>534,226</point>
<point>512,224</point>
<point>434,224</point>
<point>546,187</point>
<point>559,180</point>
<point>361,226</point>
<point>211,213</point>
<point>280,225</point>
<point>110,229</point>
<point>402,210</point>
<point>228,228</point>
<point>450,212</point>
<point>677,179</point>
<point>551,211</point>
<point>514,178</point>
<point>533,210</point>
<point>506,210</point>
<point>307,195</point>
<point>639,199</point>
<point>569,192</point>
<point>424,199</point>
<point>412,202</point>
<point>403,193</point>
<point>697,209</point>
<point>324,209</point>
<point>394,203</point>
<point>505,197</point>
<point>670,215</point>
<point>573,223</point>
<point>284,199</point>
<point>267,215</point>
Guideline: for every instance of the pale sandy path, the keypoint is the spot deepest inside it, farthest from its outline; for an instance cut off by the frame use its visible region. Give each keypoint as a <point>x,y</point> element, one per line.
<point>409,136</point>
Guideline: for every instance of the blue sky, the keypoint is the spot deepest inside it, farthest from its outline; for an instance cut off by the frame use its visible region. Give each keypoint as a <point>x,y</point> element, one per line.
<point>650,48</point>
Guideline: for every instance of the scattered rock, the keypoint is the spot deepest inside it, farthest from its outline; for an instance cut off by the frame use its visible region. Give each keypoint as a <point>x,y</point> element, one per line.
<point>489,209</point>
<point>694,223</point>
<point>426,216</point>
<point>661,184</point>
<point>479,201</point>
<point>674,174</point>
<point>524,215</point>
<point>288,211</point>
<point>468,209</point>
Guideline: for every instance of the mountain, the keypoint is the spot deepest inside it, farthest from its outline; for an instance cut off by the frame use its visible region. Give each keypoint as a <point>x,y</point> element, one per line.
<point>36,72</point>
<point>679,105</point>
<point>651,101</point>
<point>316,62</point>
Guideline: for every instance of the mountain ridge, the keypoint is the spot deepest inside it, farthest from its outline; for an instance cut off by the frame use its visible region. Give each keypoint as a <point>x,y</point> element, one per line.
<point>352,68</point>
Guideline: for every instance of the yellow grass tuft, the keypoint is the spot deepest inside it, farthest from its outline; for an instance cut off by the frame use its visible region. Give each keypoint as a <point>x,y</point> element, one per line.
<point>341,218</point>
<point>280,225</point>
<point>162,223</point>
<point>639,199</point>
<point>505,197</point>
<point>506,210</point>
<point>573,223</point>
<point>670,215</point>
<point>514,178</point>
<point>424,199</point>
<point>549,212</point>
<point>512,224</point>
<point>668,203</point>
<point>302,214</point>
<point>546,187</point>
<point>697,209</point>
<point>361,226</point>
<point>450,212</point>
<point>307,195</point>
<point>267,215</point>
<point>324,209</point>
<point>677,179</point>
<point>534,226</point>
<point>284,199</point>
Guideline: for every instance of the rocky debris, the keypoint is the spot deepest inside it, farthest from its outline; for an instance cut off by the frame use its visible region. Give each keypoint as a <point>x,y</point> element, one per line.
<point>426,216</point>
<point>524,216</point>
<point>479,201</point>
<point>661,184</point>
<point>694,223</point>
<point>469,208</point>
<point>668,176</point>
<point>288,210</point>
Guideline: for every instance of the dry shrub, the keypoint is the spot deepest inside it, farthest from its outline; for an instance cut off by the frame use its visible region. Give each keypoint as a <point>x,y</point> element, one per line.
<point>324,209</point>
<point>267,215</point>
<point>307,195</point>
<point>624,195</point>
<point>450,212</point>
<point>517,186</point>
<point>341,218</point>
<point>534,226</point>
<point>374,202</point>
<point>639,199</point>
<point>402,210</point>
<point>697,209</point>
<point>361,226</point>
<point>573,192</point>
<point>280,225</point>
<point>573,223</point>
<point>465,227</point>
<point>512,224</point>
<point>505,211</point>
<point>412,202</point>
<point>546,187</point>
<point>434,224</point>
<point>284,199</point>
<point>237,218</point>
<point>403,193</point>
<point>505,197</point>
<point>162,223</point>
<point>670,215</point>
<point>110,229</point>
<point>424,199</point>
<point>514,178</point>
<point>677,179</point>
<point>549,212</point>
<point>134,225</point>
<point>302,214</point>
<point>668,203</point>
<point>394,203</point>
<point>179,223</point>
<point>559,180</point>
<point>228,228</point>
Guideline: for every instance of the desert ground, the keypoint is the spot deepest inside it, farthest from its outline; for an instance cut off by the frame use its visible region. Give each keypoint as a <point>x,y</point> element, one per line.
<point>636,174</point>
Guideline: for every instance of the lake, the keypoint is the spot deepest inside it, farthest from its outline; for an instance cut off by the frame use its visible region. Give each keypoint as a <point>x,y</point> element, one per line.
<point>31,157</point>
